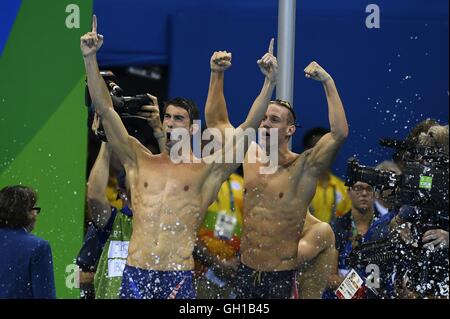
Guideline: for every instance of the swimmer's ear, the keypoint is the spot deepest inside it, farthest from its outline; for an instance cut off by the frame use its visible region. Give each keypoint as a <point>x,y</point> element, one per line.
<point>291,130</point>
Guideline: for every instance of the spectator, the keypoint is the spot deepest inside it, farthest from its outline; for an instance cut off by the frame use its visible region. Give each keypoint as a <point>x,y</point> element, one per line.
<point>26,268</point>
<point>102,183</point>
<point>331,199</point>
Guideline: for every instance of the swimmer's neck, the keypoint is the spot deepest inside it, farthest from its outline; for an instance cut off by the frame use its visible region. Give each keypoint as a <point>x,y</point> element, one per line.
<point>284,153</point>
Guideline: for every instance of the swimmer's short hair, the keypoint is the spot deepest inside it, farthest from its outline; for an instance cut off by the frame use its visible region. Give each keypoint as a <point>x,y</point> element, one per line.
<point>287,105</point>
<point>189,105</point>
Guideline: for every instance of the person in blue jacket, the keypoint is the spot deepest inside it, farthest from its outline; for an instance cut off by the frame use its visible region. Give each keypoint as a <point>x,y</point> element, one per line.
<point>26,263</point>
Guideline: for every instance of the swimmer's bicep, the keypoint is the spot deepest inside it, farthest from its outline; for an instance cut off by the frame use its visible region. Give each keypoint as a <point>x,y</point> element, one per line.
<point>322,154</point>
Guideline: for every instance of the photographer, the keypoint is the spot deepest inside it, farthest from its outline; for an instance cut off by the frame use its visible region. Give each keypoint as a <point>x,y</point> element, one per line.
<point>427,275</point>
<point>361,225</point>
<point>382,198</point>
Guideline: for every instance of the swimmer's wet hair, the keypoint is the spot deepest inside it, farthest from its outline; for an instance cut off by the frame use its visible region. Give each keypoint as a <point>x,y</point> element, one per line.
<point>189,105</point>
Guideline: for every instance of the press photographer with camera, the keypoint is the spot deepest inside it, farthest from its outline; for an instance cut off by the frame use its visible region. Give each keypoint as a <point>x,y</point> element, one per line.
<point>418,243</point>
<point>363,224</point>
<point>434,239</point>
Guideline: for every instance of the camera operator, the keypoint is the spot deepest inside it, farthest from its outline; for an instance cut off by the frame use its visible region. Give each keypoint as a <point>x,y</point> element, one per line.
<point>413,138</point>
<point>432,266</point>
<point>361,225</point>
<point>382,198</point>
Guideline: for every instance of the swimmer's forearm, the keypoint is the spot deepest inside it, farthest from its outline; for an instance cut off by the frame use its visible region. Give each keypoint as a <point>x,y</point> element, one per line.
<point>98,178</point>
<point>97,200</point>
<point>336,112</point>
<point>97,87</point>
<point>114,128</point>
<point>216,112</point>
<point>259,107</point>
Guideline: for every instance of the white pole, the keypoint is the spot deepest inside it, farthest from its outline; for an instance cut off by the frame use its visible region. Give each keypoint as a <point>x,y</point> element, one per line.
<point>286,49</point>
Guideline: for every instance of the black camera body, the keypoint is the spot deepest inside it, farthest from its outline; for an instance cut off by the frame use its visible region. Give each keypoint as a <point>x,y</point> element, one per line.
<point>127,107</point>
<point>422,184</point>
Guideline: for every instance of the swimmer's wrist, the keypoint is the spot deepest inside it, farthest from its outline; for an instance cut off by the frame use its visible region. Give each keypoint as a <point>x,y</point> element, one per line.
<point>327,79</point>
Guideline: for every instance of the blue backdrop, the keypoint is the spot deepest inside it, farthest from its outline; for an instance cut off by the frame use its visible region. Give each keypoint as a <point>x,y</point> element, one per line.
<point>389,78</point>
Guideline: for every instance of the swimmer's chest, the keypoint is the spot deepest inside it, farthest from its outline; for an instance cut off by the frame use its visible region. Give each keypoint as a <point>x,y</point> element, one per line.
<point>159,174</point>
<point>279,186</point>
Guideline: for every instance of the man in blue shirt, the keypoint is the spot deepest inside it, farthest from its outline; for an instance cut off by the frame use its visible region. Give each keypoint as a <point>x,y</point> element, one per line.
<point>363,224</point>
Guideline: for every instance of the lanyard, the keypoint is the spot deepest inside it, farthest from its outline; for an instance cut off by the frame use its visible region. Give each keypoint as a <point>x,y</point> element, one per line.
<point>127,211</point>
<point>333,203</point>
<point>232,200</point>
<point>368,235</point>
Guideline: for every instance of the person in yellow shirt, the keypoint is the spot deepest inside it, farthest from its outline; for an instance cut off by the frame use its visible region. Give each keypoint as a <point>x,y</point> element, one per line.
<point>331,199</point>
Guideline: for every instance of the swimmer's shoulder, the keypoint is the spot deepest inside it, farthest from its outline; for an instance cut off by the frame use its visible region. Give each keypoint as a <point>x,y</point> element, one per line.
<point>298,160</point>
<point>138,148</point>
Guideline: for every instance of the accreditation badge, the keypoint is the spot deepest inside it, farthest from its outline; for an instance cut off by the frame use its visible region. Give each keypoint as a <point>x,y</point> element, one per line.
<point>225,225</point>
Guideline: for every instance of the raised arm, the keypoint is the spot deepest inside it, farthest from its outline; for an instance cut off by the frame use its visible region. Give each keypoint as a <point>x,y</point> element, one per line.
<point>115,130</point>
<point>323,154</point>
<point>216,113</point>
<point>220,169</point>
<point>269,67</point>
<point>97,200</point>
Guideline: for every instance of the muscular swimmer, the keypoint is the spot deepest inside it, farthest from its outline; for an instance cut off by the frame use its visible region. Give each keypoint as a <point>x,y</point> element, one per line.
<point>169,200</point>
<point>275,205</point>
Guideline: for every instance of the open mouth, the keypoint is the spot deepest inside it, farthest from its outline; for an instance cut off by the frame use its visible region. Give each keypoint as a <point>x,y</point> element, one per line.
<point>266,133</point>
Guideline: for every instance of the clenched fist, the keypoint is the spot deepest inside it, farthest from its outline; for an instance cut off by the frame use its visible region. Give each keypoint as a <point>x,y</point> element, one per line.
<point>316,72</point>
<point>269,64</point>
<point>221,61</point>
<point>91,42</point>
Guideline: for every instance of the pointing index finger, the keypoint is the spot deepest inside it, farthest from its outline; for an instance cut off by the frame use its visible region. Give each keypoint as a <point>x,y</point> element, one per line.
<point>272,42</point>
<point>94,23</point>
